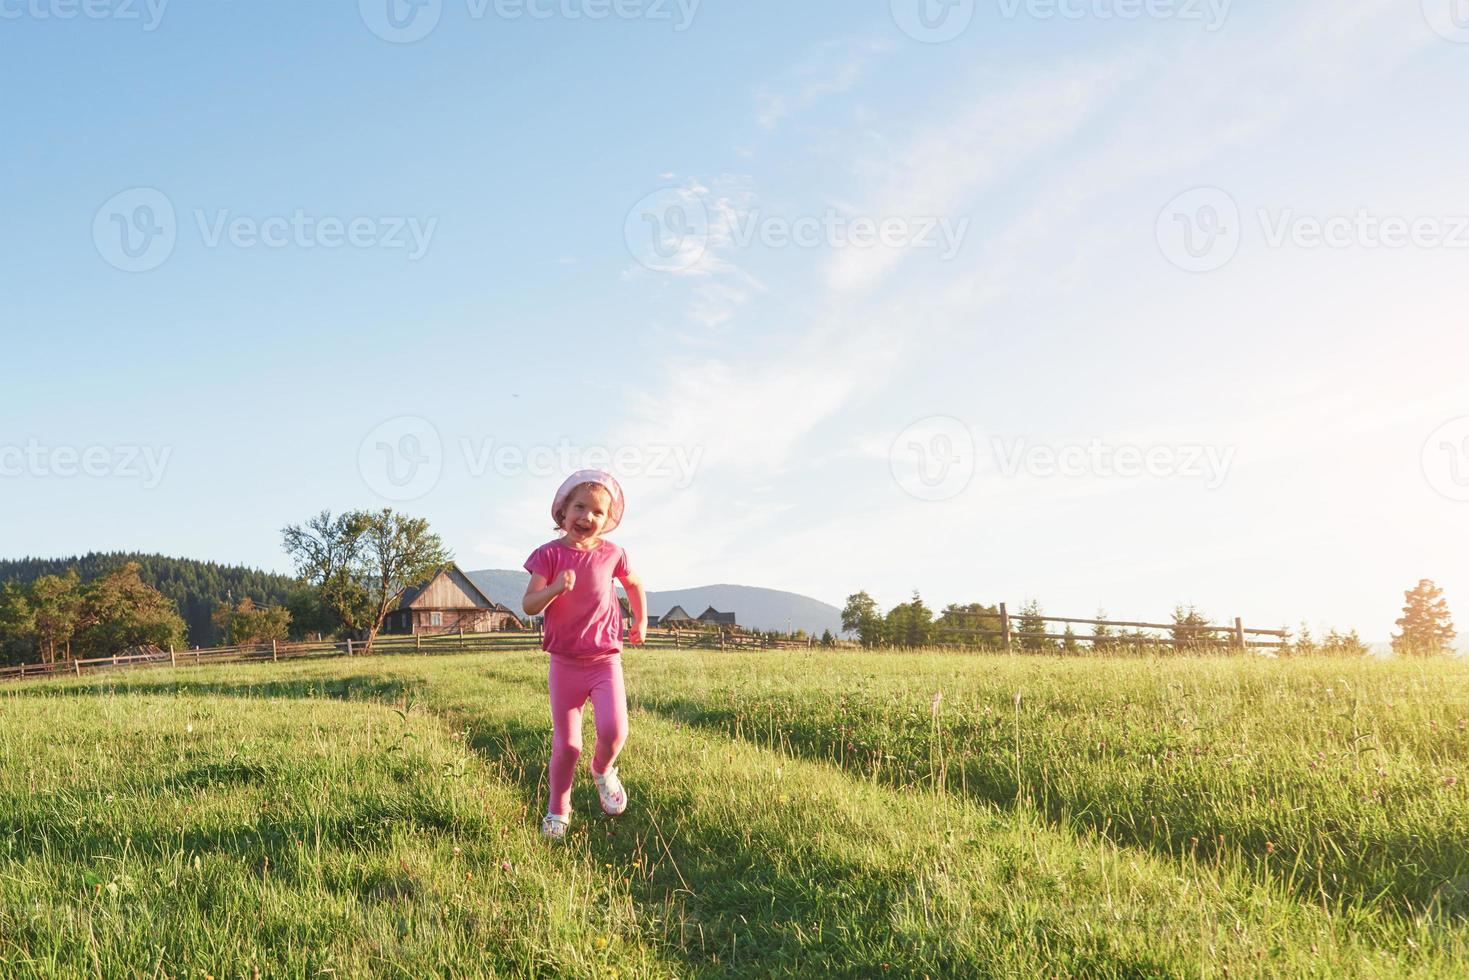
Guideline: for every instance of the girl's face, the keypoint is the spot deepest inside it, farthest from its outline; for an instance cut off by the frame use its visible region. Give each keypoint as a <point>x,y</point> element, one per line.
<point>587,512</point>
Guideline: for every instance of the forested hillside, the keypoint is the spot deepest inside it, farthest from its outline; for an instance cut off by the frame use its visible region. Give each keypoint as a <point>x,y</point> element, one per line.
<point>197,586</point>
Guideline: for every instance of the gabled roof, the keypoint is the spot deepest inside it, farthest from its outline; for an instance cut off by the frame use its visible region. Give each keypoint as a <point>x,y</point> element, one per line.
<point>676,613</point>
<point>408,596</point>
<point>712,615</point>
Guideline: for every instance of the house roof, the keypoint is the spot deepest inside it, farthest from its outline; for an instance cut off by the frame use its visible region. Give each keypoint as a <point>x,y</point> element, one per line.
<point>676,613</point>
<point>712,615</point>
<point>408,596</point>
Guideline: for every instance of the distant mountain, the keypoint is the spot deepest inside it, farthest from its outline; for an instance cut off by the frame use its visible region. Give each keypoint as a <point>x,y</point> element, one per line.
<point>754,608</point>
<point>199,587</point>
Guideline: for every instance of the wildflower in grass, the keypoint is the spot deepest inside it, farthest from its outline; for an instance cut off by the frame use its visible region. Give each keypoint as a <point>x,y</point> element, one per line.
<point>1450,780</point>
<point>506,866</point>
<point>1269,847</point>
<point>601,942</point>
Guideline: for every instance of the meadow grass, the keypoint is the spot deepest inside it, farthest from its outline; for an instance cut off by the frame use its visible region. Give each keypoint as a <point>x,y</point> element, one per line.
<point>791,814</point>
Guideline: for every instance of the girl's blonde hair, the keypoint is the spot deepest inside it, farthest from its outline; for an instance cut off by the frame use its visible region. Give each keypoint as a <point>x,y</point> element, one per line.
<point>560,513</point>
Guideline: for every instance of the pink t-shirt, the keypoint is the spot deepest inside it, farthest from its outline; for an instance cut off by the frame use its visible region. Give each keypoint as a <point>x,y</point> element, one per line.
<point>587,621</point>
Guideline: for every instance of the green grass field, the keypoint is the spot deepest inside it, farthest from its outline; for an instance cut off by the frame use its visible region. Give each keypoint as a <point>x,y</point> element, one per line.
<point>791,814</point>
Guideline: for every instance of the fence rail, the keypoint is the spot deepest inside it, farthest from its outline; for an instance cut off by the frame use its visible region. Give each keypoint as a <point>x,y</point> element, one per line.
<point>434,644</point>
<point>1182,635</point>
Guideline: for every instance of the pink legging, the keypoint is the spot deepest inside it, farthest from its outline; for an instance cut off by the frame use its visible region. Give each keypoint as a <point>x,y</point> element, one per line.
<point>572,680</point>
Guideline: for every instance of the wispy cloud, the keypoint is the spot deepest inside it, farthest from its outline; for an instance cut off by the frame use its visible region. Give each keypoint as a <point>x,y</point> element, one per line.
<point>833,68</point>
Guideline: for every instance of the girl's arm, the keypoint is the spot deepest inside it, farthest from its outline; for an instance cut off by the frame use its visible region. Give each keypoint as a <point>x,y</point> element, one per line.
<point>538,594</point>
<point>637,600</point>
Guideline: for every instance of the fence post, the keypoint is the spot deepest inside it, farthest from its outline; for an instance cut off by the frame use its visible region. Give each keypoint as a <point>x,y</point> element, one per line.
<point>274,653</point>
<point>173,658</point>
<point>418,642</point>
<point>461,639</point>
<point>1005,626</point>
<point>349,646</point>
<point>721,642</point>
<point>78,665</point>
<point>1239,632</point>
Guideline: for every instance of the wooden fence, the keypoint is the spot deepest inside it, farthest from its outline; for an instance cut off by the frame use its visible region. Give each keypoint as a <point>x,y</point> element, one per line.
<point>1182,636</point>
<point>444,643</point>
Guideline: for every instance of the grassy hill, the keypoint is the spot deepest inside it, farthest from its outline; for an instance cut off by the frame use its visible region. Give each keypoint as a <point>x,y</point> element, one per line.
<point>757,608</point>
<point>199,587</point>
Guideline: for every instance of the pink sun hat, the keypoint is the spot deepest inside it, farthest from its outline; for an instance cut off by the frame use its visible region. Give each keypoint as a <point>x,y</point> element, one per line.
<point>601,477</point>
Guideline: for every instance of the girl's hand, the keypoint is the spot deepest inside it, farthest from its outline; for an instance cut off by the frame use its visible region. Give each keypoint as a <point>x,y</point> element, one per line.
<point>566,581</point>
<point>635,634</point>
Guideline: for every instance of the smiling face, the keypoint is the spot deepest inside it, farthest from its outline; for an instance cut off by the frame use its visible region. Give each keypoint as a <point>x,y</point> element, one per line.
<point>586,512</point>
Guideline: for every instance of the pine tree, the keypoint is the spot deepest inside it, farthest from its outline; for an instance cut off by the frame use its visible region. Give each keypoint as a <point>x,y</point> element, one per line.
<point>1427,628</point>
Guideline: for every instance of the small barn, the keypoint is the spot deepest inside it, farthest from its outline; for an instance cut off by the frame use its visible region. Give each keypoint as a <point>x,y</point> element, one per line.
<point>447,603</point>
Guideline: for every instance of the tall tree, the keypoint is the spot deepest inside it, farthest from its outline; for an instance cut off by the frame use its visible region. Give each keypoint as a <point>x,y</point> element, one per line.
<point>17,624</point>
<point>119,611</point>
<point>1188,629</point>
<point>245,623</point>
<point>861,616</point>
<point>328,554</point>
<point>1427,628</point>
<point>56,611</point>
<point>957,623</point>
<point>909,624</point>
<point>398,551</point>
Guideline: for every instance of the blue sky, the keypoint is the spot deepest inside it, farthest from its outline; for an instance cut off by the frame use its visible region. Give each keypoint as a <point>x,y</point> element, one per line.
<point>1080,300</point>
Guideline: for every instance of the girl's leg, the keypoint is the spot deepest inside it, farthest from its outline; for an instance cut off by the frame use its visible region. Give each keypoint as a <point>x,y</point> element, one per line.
<point>609,707</point>
<point>568,694</point>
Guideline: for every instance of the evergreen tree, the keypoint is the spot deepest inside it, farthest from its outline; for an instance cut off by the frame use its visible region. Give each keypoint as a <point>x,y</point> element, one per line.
<point>1032,620</point>
<point>1427,628</point>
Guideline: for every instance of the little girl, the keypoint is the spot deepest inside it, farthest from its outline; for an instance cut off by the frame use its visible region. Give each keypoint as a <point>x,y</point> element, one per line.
<point>571,579</point>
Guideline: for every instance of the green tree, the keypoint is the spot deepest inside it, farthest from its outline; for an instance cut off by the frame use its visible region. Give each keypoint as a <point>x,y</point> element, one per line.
<point>1188,630</point>
<point>56,612</point>
<point>119,611</point>
<point>1032,620</point>
<point>398,551</point>
<point>246,623</point>
<point>861,616</point>
<point>329,556</point>
<point>17,624</point>
<point>1069,644</point>
<point>1347,644</point>
<point>957,624</point>
<point>1427,628</point>
<point>909,624</point>
<point>1102,637</point>
<point>827,640</point>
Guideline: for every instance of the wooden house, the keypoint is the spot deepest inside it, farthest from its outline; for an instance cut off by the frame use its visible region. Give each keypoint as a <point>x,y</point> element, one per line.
<point>713,617</point>
<point>447,603</point>
<point>676,617</point>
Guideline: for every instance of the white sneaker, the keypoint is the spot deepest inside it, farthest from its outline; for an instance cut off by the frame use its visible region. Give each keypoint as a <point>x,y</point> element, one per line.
<point>610,789</point>
<point>555,826</point>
